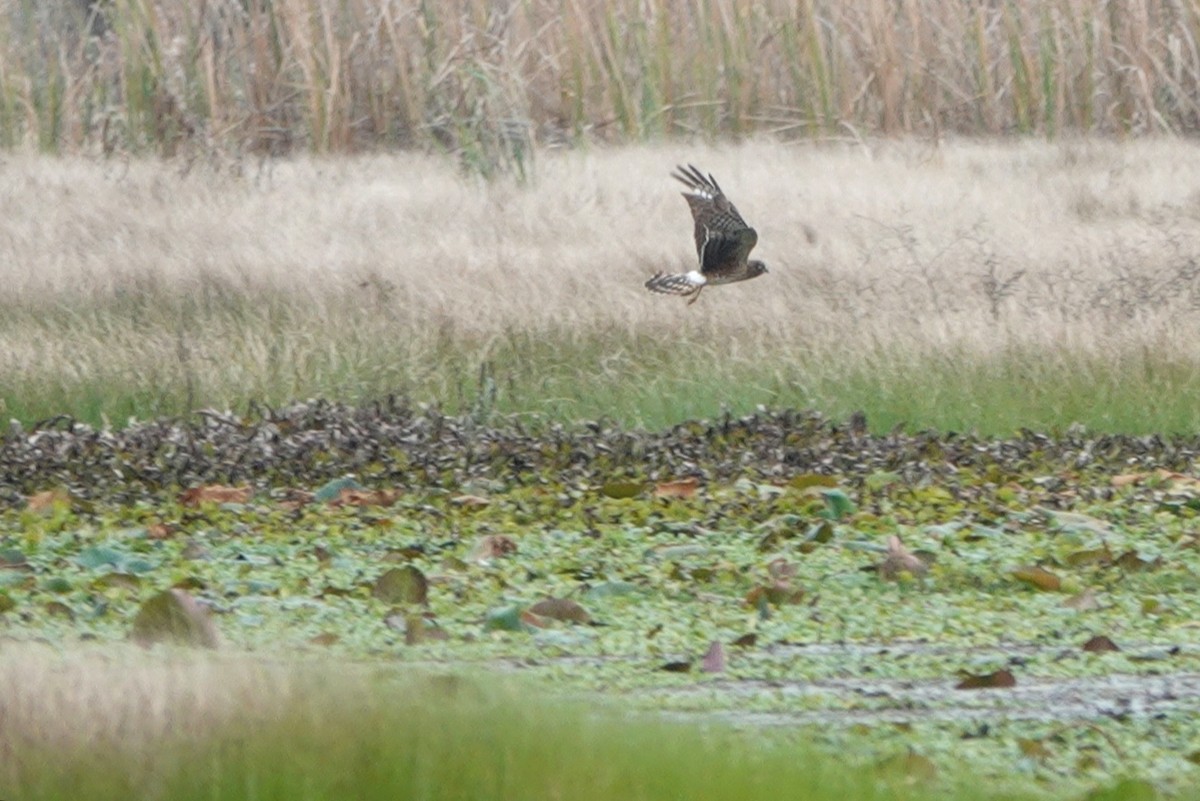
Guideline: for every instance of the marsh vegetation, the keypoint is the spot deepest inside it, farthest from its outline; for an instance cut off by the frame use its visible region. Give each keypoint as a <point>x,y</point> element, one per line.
<point>985,286</point>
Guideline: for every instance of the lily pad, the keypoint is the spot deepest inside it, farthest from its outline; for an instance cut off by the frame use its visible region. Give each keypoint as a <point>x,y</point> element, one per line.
<point>402,585</point>
<point>333,489</point>
<point>837,504</point>
<point>100,556</point>
<point>622,489</point>
<point>174,617</point>
<point>507,618</point>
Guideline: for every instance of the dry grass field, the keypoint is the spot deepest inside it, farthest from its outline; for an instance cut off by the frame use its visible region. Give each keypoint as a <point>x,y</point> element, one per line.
<point>986,285</point>
<point>117,697</point>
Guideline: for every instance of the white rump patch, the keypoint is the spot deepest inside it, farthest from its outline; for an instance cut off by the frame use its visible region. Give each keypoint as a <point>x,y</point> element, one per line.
<point>695,278</point>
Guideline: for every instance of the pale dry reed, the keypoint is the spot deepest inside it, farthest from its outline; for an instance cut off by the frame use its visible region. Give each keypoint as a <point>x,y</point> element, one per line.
<point>356,276</point>
<point>484,79</point>
<point>125,711</point>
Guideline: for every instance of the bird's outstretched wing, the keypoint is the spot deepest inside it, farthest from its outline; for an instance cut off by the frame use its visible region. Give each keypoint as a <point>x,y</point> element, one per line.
<point>723,240</point>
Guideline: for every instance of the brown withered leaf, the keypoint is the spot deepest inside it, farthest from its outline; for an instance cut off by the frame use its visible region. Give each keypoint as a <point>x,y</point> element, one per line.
<point>1128,479</point>
<point>713,660</point>
<point>900,560</point>
<point>563,609</point>
<point>777,593</point>
<point>1038,577</point>
<point>781,569</point>
<point>1178,481</point>
<point>349,496</point>
<point>533,619</point>
<point>757,598</point>
<point>214,493</point>
<point>174,616</point>
<point>492,546</point>
<point>1085,601</point>
<point>48,499</point>
<point>683,488</point>
<point>987,681</point>
<point>679,666</point>
<point>160,531</point>
<point>748,640</point>
<point>1100,644</point>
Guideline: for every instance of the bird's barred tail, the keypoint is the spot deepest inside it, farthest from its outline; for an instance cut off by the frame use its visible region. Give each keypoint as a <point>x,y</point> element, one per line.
<point>671,284</point>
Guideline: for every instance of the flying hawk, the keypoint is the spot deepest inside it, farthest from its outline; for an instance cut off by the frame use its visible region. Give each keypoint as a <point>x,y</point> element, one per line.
<point>723,240</point>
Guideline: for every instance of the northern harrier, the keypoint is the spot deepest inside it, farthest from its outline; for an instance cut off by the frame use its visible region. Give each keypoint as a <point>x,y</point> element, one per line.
<point>723,240</point>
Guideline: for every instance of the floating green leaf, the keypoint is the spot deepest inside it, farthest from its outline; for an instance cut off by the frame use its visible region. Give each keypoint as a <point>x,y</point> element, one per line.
<point>174,617</point>
<point>402,585</point>
<point>507,618</point>
<point>622,489</point>
<point>809,480</point>
<point>100,556</point>
<point>837,504</point>
<point>334,488</point>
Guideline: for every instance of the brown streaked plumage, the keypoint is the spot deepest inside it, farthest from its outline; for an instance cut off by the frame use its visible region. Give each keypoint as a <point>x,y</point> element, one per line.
<point>723,240</point>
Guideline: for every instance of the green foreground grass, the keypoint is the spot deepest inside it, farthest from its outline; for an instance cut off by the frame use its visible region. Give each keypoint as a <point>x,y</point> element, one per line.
<point>345,732</point>
<point>386,734</point>
<point>137,366</point>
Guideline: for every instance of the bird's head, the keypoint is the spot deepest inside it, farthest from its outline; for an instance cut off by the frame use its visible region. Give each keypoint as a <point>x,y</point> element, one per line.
<point>757,268</point>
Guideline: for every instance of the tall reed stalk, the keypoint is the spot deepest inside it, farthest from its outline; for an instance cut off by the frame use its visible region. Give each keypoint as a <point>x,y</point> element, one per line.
<point>486,80</point>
